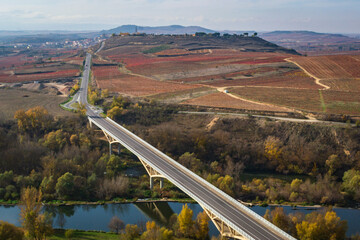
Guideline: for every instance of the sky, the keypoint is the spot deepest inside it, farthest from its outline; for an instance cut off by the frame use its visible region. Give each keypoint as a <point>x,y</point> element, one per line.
<point>331,16</point>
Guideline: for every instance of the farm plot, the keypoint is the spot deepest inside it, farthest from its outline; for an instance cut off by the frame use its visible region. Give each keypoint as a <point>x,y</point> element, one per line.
<point>222,100</point>
<point>32,67</point>
<point>12,100</point>
<point>111,78</point>
<point>330,67</point>
<point>291,79</point>
<point>328,101</point>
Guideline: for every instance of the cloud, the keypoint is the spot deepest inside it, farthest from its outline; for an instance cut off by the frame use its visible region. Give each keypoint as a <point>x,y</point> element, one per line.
<point>227,14</point>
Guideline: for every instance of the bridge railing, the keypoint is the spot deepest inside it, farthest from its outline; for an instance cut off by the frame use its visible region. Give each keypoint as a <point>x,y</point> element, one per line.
<point>205,183</point>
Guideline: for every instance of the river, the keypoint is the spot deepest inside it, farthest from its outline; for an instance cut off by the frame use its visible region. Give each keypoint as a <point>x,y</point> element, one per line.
<point>97,217</point>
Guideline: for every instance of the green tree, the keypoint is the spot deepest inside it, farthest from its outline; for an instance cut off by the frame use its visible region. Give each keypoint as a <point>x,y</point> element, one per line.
<point>69,234</point>
<point>55,140</point>
<point>65,186</point>
<point>351,183</point>
<point>190,161</point>
<point>113,166</point>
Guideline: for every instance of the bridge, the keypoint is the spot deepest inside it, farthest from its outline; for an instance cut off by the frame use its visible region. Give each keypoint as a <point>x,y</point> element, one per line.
<point>231,218</point>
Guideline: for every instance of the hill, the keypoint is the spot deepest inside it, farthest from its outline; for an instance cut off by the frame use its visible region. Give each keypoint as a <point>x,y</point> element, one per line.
<point>313,43</point>
<point>191,43</point>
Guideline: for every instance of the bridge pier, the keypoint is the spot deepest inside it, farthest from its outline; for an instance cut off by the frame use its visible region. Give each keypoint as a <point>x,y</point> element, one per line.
<point>225,230</point>
<point>161,182</point>
<point>151,183</point>
<point>152,173</point>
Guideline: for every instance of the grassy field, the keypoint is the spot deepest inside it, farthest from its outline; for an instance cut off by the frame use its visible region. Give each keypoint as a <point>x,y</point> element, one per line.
<point>60,234</point>
<point>12,100</point>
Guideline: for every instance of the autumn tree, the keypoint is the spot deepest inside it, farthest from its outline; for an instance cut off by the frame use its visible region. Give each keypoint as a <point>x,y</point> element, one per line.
<point>36,225</point>
<point>320,226</point>
<point>34,120</point>
<point>332,164</point>
<point>154,232</point>
<point>104,93</point>
<point>202,226</point>
<point>185,221</point>
<point>114,113</point>
<point>273,152</point>
<point>225,183</point>
<point>279,218</point>
<point>10,231</point>
<point>131,232</point>
<point>116,224</point>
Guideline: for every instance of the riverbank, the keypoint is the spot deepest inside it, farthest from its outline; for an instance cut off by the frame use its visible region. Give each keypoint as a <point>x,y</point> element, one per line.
<point>97,216</point>
<point>182,200</point>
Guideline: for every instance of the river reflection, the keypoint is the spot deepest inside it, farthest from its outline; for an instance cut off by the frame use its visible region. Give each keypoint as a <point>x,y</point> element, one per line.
<point>97,217</point>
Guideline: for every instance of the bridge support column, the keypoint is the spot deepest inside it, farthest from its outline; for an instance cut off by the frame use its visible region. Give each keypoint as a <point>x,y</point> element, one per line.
<point>161,182</point>
<point>151,183</point>
<point>152,173</point>
<point>119,147</point>
<point>111,140</point>
<point>225,230</point>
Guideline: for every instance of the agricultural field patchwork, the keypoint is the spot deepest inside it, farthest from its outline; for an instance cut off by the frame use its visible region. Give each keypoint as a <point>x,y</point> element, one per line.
<point>40,65</point>
<point>174,71</point>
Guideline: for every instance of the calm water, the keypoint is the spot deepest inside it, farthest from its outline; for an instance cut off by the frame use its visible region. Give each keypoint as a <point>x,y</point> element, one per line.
<point>97,217</point>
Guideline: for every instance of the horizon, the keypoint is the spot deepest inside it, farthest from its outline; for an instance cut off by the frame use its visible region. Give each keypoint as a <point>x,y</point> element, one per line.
<point>326,16</point>
<point>218,30</point>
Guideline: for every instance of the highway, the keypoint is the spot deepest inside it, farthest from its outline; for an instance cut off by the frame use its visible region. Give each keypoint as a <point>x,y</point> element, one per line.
<point>230,211</point>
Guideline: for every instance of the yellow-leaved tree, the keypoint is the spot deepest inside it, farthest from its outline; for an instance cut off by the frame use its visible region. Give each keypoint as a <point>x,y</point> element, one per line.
<point>36,225</point>
<point>185,221</point>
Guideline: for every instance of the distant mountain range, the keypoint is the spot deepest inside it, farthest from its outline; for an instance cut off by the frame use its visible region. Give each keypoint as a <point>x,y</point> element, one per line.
<point>305,36</point>
<point>172,29</point>
<point>314,43</point>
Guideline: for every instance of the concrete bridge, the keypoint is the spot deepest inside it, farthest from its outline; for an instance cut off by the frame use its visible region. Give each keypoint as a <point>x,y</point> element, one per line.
<point>232,219</point>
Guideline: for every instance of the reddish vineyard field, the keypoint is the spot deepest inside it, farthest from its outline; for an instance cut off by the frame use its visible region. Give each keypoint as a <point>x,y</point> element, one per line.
<point>58,64</point>
<point>111,78</point>
<point>37,77</point>
<point>293,79</point>
<point>330,67</point>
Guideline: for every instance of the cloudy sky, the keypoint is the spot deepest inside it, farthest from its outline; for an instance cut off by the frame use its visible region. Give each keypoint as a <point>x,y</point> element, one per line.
<point>335,16</point>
